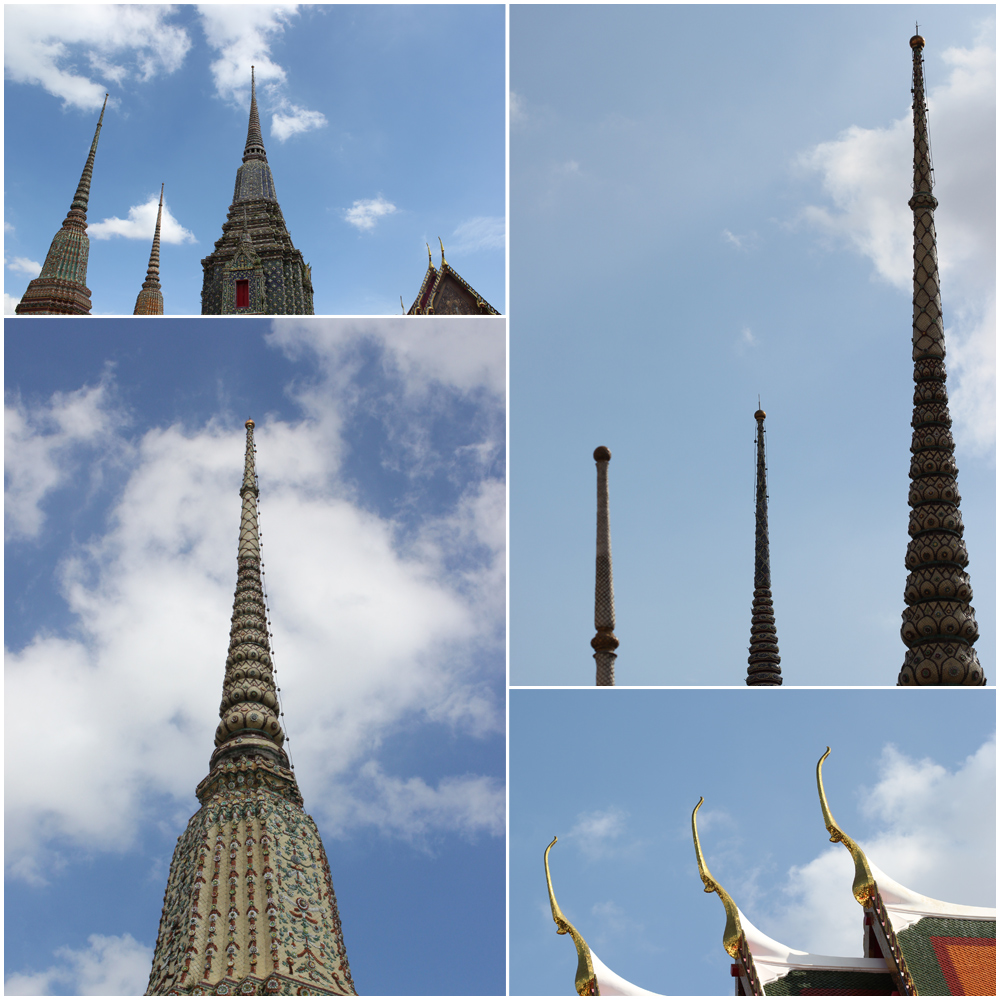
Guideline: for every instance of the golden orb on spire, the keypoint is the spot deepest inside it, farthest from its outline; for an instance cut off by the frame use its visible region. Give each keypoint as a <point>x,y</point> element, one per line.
<point>917,42</point>
<point>249,423</point>
<point>759,415</point>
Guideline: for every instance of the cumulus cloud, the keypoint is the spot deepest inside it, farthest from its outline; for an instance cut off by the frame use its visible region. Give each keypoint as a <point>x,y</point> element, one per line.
<point>936,835</point>
<point>77,51</point>
<point>43,449</point>
<point>374,622</point>
<point>597,833</point>
<point>480,233</point>
<point>364,214</point>
<point>863,173</point>
<point>10,304</point>
<point>23,265</point>
<point>292,119</point>
<point>109,966</point>
<point>141,223</point>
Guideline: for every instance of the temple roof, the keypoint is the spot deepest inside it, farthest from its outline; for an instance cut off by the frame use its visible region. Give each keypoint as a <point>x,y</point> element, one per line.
<point>445,292</point>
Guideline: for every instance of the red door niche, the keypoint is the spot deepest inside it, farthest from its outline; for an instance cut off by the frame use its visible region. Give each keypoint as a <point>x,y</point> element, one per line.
<point>243,294</point>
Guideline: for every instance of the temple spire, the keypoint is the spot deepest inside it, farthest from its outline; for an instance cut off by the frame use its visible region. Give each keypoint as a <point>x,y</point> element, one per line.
<point>939,624</point>
<point>764,662</point>
<point>605,642</point>
<point>249,700</point>
<point>254,148</point>
<point>61,287</point>
<point>150,300</point>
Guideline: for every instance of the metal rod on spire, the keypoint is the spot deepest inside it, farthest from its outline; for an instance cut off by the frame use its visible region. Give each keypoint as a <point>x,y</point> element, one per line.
<point>939,623</point>
<point>605,642</point>
<point>764,663</point>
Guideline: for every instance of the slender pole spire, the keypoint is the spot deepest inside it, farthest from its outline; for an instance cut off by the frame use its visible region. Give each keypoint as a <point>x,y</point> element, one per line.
<point>61,287</point>
<point>939,624</point>
<point>764,662</point>
<point>150,300</point>
<point>249,709</point>
<point>604,642</point>
<point>254,149</point>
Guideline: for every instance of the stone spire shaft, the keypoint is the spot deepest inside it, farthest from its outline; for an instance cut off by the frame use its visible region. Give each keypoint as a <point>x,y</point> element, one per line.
<point>254,149</point>
<point>605,642</point>
<point>61,287</point>
<point>764,662</point>
<point>150,300</point>
<point>939,624</point>
<point>249,706</point>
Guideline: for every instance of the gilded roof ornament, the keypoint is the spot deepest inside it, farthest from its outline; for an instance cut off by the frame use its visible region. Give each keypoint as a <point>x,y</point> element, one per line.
<point>443,261</point>
<point>733,932</point>
<point>605,642</point>
<point>864,881</point>
<point>586,978</point>
<point>939,623</point>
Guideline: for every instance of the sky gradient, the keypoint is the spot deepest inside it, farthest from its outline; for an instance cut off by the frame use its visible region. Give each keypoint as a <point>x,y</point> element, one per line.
<point>384,129</point>
<point>708,205</point>
<point>380,457</point>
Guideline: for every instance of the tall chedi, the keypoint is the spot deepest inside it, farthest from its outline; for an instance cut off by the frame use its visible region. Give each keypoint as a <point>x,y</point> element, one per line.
<point>61,287</point>
<point>605,642</point>
<point>150,300</point>
<point>764,662</point>
<point>272,278</point>
<point>939,624</point>
<point>249,907</point>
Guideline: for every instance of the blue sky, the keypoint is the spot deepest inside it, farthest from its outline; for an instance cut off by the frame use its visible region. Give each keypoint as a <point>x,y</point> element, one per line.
<point>708,203</point>
<point>616,774</point>
<point>384,128</point>
<point>381,462</point>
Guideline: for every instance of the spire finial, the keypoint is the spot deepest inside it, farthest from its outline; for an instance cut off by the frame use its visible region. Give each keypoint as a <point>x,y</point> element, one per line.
<point>78,210</point>
<point>605,642</point>
<point>586,978</point>
<point>939,623</point>
<point>254,149</point>
<point>764,662</point>
<point>249,700</point>
<point>864,881</point>
<point>150,300</point>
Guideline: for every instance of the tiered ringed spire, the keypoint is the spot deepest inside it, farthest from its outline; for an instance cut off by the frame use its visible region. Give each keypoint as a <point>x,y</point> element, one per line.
<point>150,300</point>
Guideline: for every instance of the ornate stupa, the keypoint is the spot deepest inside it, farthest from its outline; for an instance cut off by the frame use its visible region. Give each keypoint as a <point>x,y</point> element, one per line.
<point>61,288</point>
<point>274,279</point>
<point>249,907</point>
<point>764,667</point>
<point>939,623</point>
<point>150,300</point>
<point>605,642</point>
<point>444,292</point>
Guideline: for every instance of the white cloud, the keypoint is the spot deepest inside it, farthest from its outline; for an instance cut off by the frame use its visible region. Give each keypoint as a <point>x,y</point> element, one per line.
<point>867,174</point>
<point>296,120</point>
<point>110,966</point>
<point>937,837</point>
<point>39,446</point>
<point>479,233</point>
<point>76,51</point>
<point>597,832</point>
<point>10,304</point>
<point>745,241</point>
<point>336,575</point>
<point>23,265</point>
<point>141,223</point>
<point>365,214</point>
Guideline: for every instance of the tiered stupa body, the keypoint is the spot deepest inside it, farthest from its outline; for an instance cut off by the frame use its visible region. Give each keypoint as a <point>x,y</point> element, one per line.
<point>764,662</point>
<point>444,292</point>
<point>249,907</point>
<point>150,300</point>
<point>939,624</point>
<point>272,280</point>
<point>61,287</point>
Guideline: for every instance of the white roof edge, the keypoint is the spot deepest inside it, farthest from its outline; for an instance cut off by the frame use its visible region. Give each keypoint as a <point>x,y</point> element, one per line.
<point>910,906</point>
<point>613,985</point>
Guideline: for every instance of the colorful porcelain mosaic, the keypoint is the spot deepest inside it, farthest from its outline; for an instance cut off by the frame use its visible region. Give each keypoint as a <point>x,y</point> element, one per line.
<point>150,300</point>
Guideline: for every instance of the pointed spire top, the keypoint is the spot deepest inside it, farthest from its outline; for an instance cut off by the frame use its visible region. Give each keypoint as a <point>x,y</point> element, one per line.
<point>150,300</point>
<point>923,170</point>
<point>764,662</point>
<point>82,197</point>
<point>254,149</point>
<point>605,642</point>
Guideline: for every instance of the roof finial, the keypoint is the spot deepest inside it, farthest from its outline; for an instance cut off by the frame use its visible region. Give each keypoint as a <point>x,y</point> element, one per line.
<point>864,881</point>
<point>249,700</point>
<point>443,261</point>
<point>733,932</point>
<point>402,308</point>
<point>430,259</point>
<point>586,978</point>
<point>150,300</point>
<point>939,624</point>
<point>605,642</point>
<point>764,662</point>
